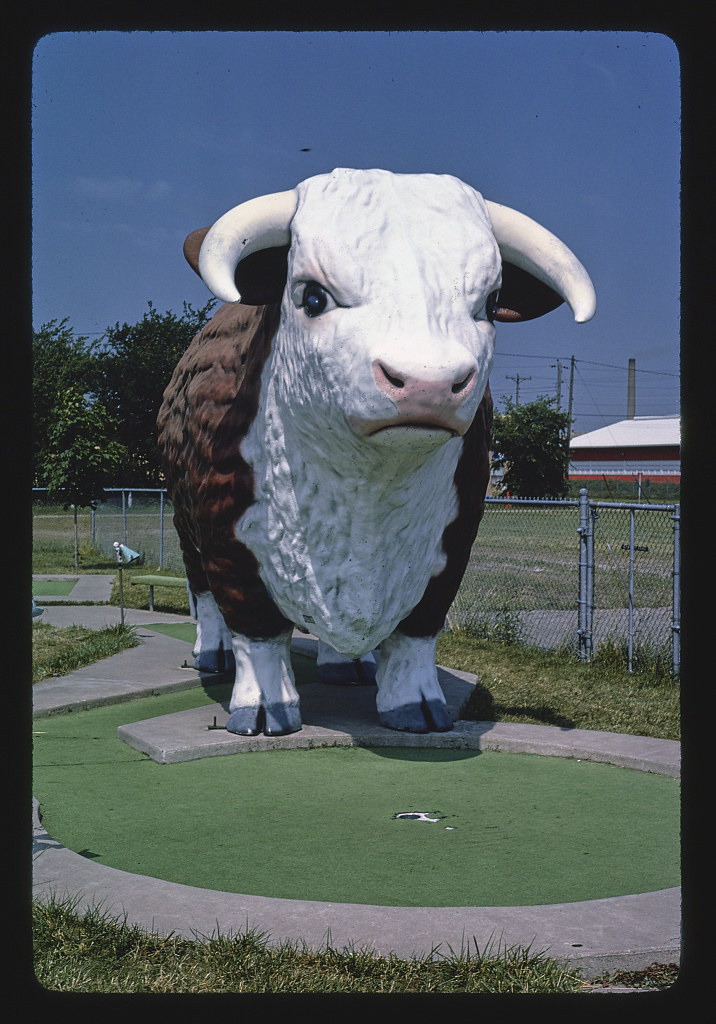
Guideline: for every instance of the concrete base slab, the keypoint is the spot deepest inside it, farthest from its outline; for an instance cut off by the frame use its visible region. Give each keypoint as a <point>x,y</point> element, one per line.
<point>346,716</point>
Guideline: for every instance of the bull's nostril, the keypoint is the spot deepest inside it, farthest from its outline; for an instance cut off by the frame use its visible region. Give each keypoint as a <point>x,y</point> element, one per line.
<point>462,384</point>
<point>397,382</point>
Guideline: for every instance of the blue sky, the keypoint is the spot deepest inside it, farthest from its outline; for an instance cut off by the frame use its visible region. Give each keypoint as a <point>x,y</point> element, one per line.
<point>140,137</point>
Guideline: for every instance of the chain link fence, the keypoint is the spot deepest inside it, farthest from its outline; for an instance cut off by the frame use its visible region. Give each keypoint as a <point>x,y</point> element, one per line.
<point>141,518</point>
<point>570,573</point>
<point>574,574</point>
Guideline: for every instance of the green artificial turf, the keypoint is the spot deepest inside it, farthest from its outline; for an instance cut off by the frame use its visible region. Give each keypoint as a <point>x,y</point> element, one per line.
<point>52,588</point>
<point>515,829</point>
<point>179,630</point>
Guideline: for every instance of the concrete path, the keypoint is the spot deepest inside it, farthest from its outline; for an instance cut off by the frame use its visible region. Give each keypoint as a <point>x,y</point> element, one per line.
<point>627,932</point>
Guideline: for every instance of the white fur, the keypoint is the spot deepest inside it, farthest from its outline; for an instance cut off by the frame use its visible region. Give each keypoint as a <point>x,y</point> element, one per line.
<point>346,554</point>
<point>263,673</point>
<point>328,656</point>
<point>212,633</point>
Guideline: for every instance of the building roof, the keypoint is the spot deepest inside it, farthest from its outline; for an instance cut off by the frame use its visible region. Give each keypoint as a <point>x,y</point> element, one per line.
<point>634,433</point>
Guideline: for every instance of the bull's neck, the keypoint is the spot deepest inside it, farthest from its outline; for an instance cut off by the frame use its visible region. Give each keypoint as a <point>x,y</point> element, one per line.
<point>335,519</point>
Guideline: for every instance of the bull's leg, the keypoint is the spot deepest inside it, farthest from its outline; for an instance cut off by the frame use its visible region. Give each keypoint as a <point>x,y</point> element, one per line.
<point>409,695</point>
<point>336,668</point>
<point>212,651</point>
<point>264,697</point>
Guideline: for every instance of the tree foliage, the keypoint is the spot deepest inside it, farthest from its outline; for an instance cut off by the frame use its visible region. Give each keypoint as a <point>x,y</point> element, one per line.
<point>134,364</point>
<point>82,456</point>
<point>60,361</point>
<point>121,379</point>
<point>531,443</point>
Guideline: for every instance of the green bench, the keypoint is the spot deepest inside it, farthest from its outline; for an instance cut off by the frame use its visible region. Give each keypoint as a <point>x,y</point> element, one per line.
<point>157,581</point>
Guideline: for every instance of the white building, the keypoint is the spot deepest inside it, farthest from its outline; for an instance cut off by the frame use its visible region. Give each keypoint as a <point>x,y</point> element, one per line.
<point>645,447</point>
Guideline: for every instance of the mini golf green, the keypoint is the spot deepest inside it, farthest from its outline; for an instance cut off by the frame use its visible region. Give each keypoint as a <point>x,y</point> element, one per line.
<point>513,829</point>
<point>179,630</point>
<point>52,588</point>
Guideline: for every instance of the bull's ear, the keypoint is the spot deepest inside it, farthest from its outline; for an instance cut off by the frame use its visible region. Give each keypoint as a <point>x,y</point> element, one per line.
<point>260,278</point>
<point>192,245</point>
<point>523,297</point>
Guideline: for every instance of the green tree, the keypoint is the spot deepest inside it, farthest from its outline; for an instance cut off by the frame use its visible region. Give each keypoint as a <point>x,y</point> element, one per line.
<point>134,364</point>
<point>82,456</point>
<point>59,360</point>
<point>530,442</point>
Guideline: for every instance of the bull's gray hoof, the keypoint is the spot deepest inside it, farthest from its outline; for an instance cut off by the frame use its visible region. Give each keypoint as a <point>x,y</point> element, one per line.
<point>281,719</point>
<point>273,720</point>
<point>428,716</point>
<point>244,722</point>
<point>367,669</point>
<point>215,661</point>
<point>347,673</point>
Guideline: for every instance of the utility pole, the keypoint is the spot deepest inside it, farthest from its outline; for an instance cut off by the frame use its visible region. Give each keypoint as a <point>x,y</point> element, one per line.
<point>559,383</point>
<point>631,390</point>
<point>569,407</point>
<point>517,378</point>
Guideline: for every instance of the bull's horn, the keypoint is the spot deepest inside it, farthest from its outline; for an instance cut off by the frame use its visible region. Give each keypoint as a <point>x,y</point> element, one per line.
<point>531,247</point>
<point>257,224</point>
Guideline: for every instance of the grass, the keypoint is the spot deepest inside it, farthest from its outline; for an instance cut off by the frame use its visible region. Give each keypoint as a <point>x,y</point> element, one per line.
<point>524,684</point>
<point>54,554</point>
<point>91,952</point>
<point>57,651</point>
<point>529,555</point>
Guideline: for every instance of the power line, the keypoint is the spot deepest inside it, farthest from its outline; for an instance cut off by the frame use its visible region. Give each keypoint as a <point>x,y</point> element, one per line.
<point>590,362</point>
<point>613,366</point>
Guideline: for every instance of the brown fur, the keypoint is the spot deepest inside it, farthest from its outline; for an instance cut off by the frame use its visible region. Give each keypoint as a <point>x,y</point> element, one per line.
<point>208,407</point>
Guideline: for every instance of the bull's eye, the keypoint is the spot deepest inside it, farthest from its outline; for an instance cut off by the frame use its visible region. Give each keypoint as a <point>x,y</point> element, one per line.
<point>491,305</point>
<point>315,299</point>
<point>488,311</point>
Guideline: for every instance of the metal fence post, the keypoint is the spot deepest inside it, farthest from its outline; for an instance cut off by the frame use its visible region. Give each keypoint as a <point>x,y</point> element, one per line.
<point>586,577</point>
<point>630,635</point>
<point>161,528</point>
<point>676,600</point>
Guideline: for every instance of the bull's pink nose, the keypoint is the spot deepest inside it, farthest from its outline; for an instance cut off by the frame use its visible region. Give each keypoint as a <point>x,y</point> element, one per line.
<point>408,390</point>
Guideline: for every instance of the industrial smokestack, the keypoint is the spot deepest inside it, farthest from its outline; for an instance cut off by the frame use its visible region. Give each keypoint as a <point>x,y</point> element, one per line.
<point>631,390</point>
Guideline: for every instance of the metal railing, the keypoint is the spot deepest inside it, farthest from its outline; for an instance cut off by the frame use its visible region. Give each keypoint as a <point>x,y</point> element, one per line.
<point>571,573</point>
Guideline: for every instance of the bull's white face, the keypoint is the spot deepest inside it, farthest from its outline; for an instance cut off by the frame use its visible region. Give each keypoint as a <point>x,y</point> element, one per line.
<point>385,325</point>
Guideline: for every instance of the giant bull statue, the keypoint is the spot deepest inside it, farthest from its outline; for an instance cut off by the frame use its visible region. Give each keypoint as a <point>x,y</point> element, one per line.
<point>326,436</point>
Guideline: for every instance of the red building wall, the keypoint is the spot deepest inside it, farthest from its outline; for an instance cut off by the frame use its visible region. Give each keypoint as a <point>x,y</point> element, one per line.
<point>660,462</point>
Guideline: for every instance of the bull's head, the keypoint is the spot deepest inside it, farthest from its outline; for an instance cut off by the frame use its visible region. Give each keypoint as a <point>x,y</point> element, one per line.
<point>390,285</point>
